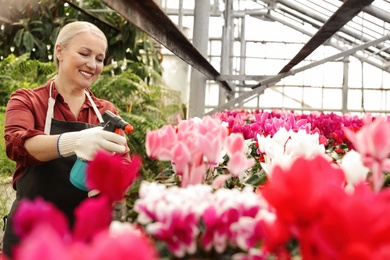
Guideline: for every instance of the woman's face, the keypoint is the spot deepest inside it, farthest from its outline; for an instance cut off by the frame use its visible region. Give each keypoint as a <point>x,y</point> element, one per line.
<point>81,62</point>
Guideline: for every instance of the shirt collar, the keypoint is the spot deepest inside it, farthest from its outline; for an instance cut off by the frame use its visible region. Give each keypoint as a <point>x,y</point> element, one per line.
<point>58,97</point>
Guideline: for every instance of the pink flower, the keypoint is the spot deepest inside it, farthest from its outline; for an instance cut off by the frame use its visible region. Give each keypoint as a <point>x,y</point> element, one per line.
<point>126,245</point>
<point>238,163</point>
<point>235,144</point>
<point>111,175</point>
<point>217,226</point>
<point>181,158</point>
<point>30,214</point>
<point>43,243</point>
<point>179,233</point>
<point>194,176</point>
<point>92,216</point>
<point>373,144</point>
<point>222,217</point>
<point>159,143</point>
<point>220,180</point>
<point>211,146</point>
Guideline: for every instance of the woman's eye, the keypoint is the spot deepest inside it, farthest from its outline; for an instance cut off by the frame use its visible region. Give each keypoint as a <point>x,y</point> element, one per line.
<point>99,60</point>
<point>84,54</point>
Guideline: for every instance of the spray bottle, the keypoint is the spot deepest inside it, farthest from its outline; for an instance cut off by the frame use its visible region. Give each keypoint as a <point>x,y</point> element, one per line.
<point>112,123</point>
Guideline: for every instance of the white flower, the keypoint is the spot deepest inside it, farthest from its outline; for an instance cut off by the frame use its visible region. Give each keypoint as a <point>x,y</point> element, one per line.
<point>117,228</point>
<point>285,146</point>
<point>354,170</point>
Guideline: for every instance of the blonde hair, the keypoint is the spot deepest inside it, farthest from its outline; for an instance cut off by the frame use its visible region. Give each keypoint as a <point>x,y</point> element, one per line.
<point>71,30</point>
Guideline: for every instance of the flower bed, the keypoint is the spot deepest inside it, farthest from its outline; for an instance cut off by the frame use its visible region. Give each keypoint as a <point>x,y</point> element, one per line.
<point>238,185</point>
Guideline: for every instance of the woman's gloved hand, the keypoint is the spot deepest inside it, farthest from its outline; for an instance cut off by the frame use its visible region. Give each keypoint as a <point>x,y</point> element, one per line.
<point>87,142</point>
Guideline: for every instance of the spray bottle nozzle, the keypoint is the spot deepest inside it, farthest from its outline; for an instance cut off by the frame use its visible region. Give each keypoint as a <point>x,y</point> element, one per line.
<point>114,122</point>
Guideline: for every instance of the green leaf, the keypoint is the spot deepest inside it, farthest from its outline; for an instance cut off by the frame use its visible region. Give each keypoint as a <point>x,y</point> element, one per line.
<point>28,41</point>
<point>18,37</point>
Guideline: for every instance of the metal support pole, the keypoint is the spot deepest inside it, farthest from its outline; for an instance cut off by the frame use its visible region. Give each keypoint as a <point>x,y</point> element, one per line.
<point>344,107</point>
<point>243,51</point>
<point>225,52</point>
<point>200,41</point>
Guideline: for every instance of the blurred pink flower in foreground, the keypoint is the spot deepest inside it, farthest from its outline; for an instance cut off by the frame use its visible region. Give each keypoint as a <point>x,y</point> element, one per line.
<point>87,224</point>
<point>45,233</point>
<point>372,141</point>
<point>34,213</point>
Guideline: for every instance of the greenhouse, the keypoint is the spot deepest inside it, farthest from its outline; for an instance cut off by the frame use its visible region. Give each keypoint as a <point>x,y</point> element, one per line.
<point>195,129</point>
<point>332,58</point>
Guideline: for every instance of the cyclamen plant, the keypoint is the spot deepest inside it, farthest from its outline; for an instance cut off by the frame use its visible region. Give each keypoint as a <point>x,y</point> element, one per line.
<point>304,180</point>
<point>196,147</point>
<point>195,221</point>
<point>45,232</point>
<point>309,204</point>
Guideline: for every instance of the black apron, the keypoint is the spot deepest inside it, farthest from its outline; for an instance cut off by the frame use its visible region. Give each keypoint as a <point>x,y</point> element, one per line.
<point>49,181</point>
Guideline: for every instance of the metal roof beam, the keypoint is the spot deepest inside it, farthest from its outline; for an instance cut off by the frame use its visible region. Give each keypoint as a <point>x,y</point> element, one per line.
<point>148,16</point>
<point>330,43</point>
<point>374,11</point>
<point>348,10</point>
<point>272,80</point>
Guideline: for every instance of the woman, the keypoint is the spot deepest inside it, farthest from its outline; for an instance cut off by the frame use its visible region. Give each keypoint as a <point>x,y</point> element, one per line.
<point>47,128</point>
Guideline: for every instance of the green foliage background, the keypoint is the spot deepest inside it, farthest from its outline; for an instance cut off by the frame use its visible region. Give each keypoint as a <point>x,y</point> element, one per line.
<point>131,78</point>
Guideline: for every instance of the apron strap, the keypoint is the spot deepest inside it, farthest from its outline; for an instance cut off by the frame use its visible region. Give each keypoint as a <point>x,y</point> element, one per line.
<point>95,108</point>
<point>50,109</point>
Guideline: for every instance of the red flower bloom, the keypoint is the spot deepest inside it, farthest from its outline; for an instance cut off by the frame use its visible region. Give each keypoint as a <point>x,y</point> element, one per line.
<point>111,175</point>
<point>354,225</point>
<point>296,193</point>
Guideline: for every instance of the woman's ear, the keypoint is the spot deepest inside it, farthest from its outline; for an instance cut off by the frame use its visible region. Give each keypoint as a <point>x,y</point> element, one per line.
<point>59,53</point>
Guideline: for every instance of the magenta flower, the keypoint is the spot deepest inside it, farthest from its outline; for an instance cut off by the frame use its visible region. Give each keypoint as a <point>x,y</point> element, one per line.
<point>172,214</point>
<point>30,214</point>
<point>92,239</point>
<point>92,216</point>
<point>217,226</point>
<point>222,216</point>
<point>111,175</point>
<point>43,243</point>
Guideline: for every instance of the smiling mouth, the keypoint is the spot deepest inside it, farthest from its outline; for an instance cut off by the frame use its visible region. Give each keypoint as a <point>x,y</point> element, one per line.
<point>86,73</point>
